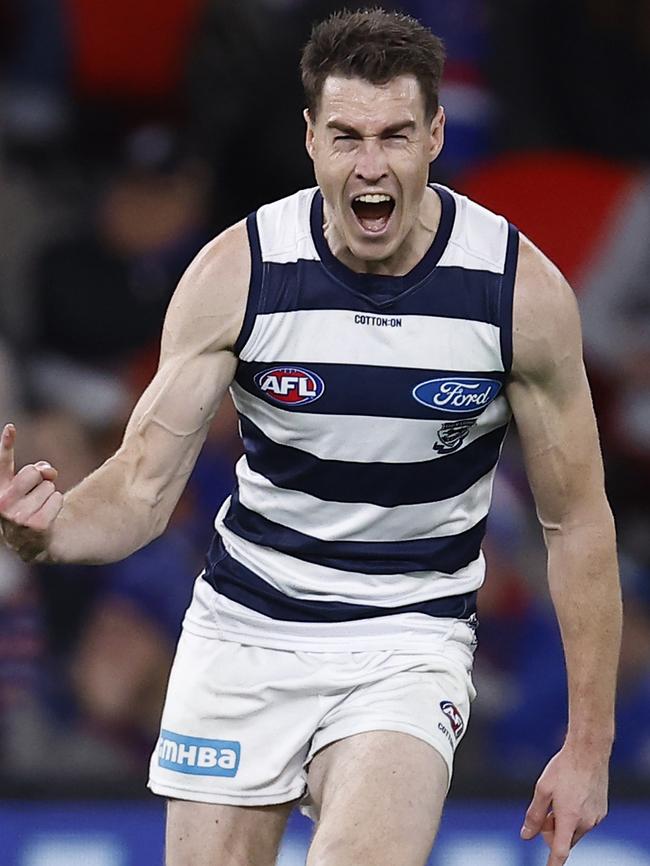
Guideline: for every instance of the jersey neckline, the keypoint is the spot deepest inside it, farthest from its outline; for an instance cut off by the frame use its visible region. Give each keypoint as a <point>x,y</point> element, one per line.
<point>382,289</point>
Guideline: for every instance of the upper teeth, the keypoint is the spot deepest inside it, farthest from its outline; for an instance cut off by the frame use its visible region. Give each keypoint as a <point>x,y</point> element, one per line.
<point>373,198</point>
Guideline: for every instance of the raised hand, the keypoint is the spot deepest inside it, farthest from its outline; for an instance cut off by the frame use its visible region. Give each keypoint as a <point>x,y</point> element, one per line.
<point>29,501</point>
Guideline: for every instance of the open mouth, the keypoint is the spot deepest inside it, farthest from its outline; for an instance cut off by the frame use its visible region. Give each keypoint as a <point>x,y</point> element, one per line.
<point>373,211</point>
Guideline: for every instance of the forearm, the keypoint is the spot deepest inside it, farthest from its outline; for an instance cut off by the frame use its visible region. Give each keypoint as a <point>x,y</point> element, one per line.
<point>102,520</point>
<point>583,579</point>
<point>128,501</point>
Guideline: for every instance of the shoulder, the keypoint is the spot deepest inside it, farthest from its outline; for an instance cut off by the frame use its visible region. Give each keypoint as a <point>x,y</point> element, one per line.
<point>210,300</point>
<point>478,239</point>
<point>546,322</point>
<point>224,260</point>
<point>283,230</point>
<point>210,303</point>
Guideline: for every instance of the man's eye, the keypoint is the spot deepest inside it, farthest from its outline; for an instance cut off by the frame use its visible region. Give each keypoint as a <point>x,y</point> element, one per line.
<point>397,137</point>
<point>342,138</point>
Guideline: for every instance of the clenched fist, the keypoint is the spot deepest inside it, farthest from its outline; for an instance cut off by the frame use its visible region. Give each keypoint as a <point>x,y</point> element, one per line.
<point>29,501</point>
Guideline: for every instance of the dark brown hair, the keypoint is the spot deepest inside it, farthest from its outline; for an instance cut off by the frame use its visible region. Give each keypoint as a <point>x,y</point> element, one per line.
<point>375,45</point>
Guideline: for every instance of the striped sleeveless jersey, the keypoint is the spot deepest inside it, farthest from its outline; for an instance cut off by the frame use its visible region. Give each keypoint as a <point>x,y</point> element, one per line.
<point>372,412</point>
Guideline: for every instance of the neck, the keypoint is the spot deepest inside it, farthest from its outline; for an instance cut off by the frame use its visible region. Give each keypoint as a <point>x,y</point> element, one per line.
<point>411,251</point>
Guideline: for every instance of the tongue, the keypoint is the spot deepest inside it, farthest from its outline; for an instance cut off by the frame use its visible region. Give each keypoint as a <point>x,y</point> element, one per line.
<point>373,217</point>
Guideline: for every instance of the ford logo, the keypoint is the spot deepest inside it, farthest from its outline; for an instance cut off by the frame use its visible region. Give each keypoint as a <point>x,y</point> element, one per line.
<point>292,386</point>
<point>457,394</point>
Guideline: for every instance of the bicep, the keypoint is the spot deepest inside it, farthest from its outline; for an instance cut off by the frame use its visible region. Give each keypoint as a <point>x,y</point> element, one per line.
<point>559,440</point>
<point>171,420</point>
<point>551,401</point>
<point>184,394</point>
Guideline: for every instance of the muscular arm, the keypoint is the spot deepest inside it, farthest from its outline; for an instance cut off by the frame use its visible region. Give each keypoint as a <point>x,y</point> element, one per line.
<point>128,501</point>
<point>550,398</point>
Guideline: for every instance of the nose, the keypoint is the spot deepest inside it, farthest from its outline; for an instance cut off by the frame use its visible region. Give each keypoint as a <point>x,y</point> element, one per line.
<point>371,165</point>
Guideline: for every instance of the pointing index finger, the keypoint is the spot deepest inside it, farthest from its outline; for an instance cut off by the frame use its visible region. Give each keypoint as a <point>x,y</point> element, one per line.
<point>7,442</point>
<point>562,841</point>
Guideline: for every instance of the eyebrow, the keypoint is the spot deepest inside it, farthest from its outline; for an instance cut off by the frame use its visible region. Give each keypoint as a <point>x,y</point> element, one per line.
<point>340,126</point>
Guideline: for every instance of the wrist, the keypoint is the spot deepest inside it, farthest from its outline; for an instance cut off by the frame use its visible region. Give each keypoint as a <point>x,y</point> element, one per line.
<point>597,743</point>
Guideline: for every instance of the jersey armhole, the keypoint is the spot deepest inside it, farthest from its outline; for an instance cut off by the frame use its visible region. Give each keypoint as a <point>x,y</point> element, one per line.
<point>506,296</point>
<point>255,285</point>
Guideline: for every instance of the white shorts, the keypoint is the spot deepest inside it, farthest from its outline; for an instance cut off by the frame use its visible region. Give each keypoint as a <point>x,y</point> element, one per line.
<point>241,723</point>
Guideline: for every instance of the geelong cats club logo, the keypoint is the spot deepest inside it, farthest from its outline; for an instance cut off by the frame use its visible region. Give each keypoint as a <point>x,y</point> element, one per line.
<point>291,386</point>
<point>454,716</point>
<point>452,434</point>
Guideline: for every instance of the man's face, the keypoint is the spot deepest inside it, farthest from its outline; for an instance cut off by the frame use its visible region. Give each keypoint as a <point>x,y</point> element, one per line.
<point>371,146</point>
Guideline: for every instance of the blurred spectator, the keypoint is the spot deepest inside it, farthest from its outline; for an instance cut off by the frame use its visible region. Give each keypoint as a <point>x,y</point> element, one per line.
<point>103,293</point>
<point>100,292</point>
<point>44,741</point>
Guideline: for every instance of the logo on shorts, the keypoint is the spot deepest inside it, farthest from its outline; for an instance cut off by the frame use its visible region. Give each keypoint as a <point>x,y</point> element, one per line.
<point>198,756</point>
<point>457,394</point>
<point>452,713</point>
<point>293,386</point>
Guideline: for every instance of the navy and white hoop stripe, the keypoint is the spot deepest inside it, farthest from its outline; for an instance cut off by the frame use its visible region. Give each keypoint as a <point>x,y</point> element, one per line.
<point>444,554</point>
<point>390,485</point>
<point>360,500</point>
<point>243,585</point>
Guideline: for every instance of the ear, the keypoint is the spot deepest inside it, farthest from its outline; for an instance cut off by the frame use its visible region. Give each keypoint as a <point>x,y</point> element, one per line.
<point>309,133</point>
<point>437,133</point>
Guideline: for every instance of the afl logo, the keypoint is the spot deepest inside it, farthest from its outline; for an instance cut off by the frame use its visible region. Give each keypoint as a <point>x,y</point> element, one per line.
<point>291,386</point>
<point>457,394</point>
<point>454,716</point>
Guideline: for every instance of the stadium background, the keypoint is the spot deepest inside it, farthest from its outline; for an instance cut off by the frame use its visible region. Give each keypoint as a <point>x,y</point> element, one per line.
<point>131,132</point>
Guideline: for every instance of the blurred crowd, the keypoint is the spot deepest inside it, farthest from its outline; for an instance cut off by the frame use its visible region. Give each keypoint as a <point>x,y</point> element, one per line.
<point>131,133</point>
